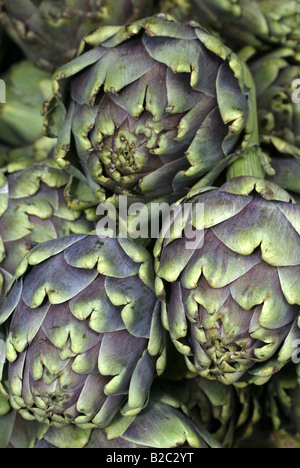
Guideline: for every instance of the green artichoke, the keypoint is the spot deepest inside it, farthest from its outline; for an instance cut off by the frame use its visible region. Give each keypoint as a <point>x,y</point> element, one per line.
<point>150,109</point>
<point>21,122</point>
<point>283,403</point>
<point>33,210</point>
<point>260,23</point>
<point>230,414</point>
<point>277,77</point>
<point>231,298</point>
<point>162,424</point>
<point>50,31</point>
<point>85,335</point>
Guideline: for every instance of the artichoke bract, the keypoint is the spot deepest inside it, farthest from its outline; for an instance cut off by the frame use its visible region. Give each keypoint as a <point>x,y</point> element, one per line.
<point>260,23</point>
<point>161,424</point>
<point>151,108</point>
<point>33,210</point>
<point>228,413</point>
<point>15,432</point>
<point>85,334</point>
<point>231,300</point>
<point>49,32</point>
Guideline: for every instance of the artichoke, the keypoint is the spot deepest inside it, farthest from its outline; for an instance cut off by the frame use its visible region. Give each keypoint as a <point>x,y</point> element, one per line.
<point>162,424</point>
<point>283,404</point>
<point>230,414</point>
<point>259,23</point>
<point>86,340</point>
<point>33,210</point>
<point>276,75</point>
<point>151,109</point>
<point>49,31</point>
<point>231,298</point>
<point>27,88</point>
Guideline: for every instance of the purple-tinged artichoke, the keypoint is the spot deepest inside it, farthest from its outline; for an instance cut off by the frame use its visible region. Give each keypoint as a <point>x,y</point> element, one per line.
<point>49,31</point>
<point>162,424</point>
<point>152,108</point>
<point>85,335</point>
<point>231,298</point>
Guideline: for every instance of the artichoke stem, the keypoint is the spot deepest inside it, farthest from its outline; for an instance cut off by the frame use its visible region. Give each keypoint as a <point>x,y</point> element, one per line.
<point>248,164</point>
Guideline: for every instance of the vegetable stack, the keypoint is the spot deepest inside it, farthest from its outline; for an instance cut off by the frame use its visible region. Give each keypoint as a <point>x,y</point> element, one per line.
<point>150,224</point>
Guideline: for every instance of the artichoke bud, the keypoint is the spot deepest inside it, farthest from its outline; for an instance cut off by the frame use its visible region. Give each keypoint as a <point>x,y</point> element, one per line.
<point>170,103</point>
<point>49,32</point>
<point>228,413</point>
<point>233,299</point>
<point>34,210</point>
<point>263,24</point>
<point>85,331</point>
<point>282,404</point>
<point>276,75</point>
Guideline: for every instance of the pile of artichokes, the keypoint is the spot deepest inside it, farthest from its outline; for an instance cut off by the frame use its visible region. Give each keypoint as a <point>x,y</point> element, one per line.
<point>188,336</point>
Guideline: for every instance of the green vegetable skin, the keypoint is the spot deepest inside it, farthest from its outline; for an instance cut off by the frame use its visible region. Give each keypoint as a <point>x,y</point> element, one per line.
<point>231,306</point>
<point>50,31</point>
<point>155,107</point>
